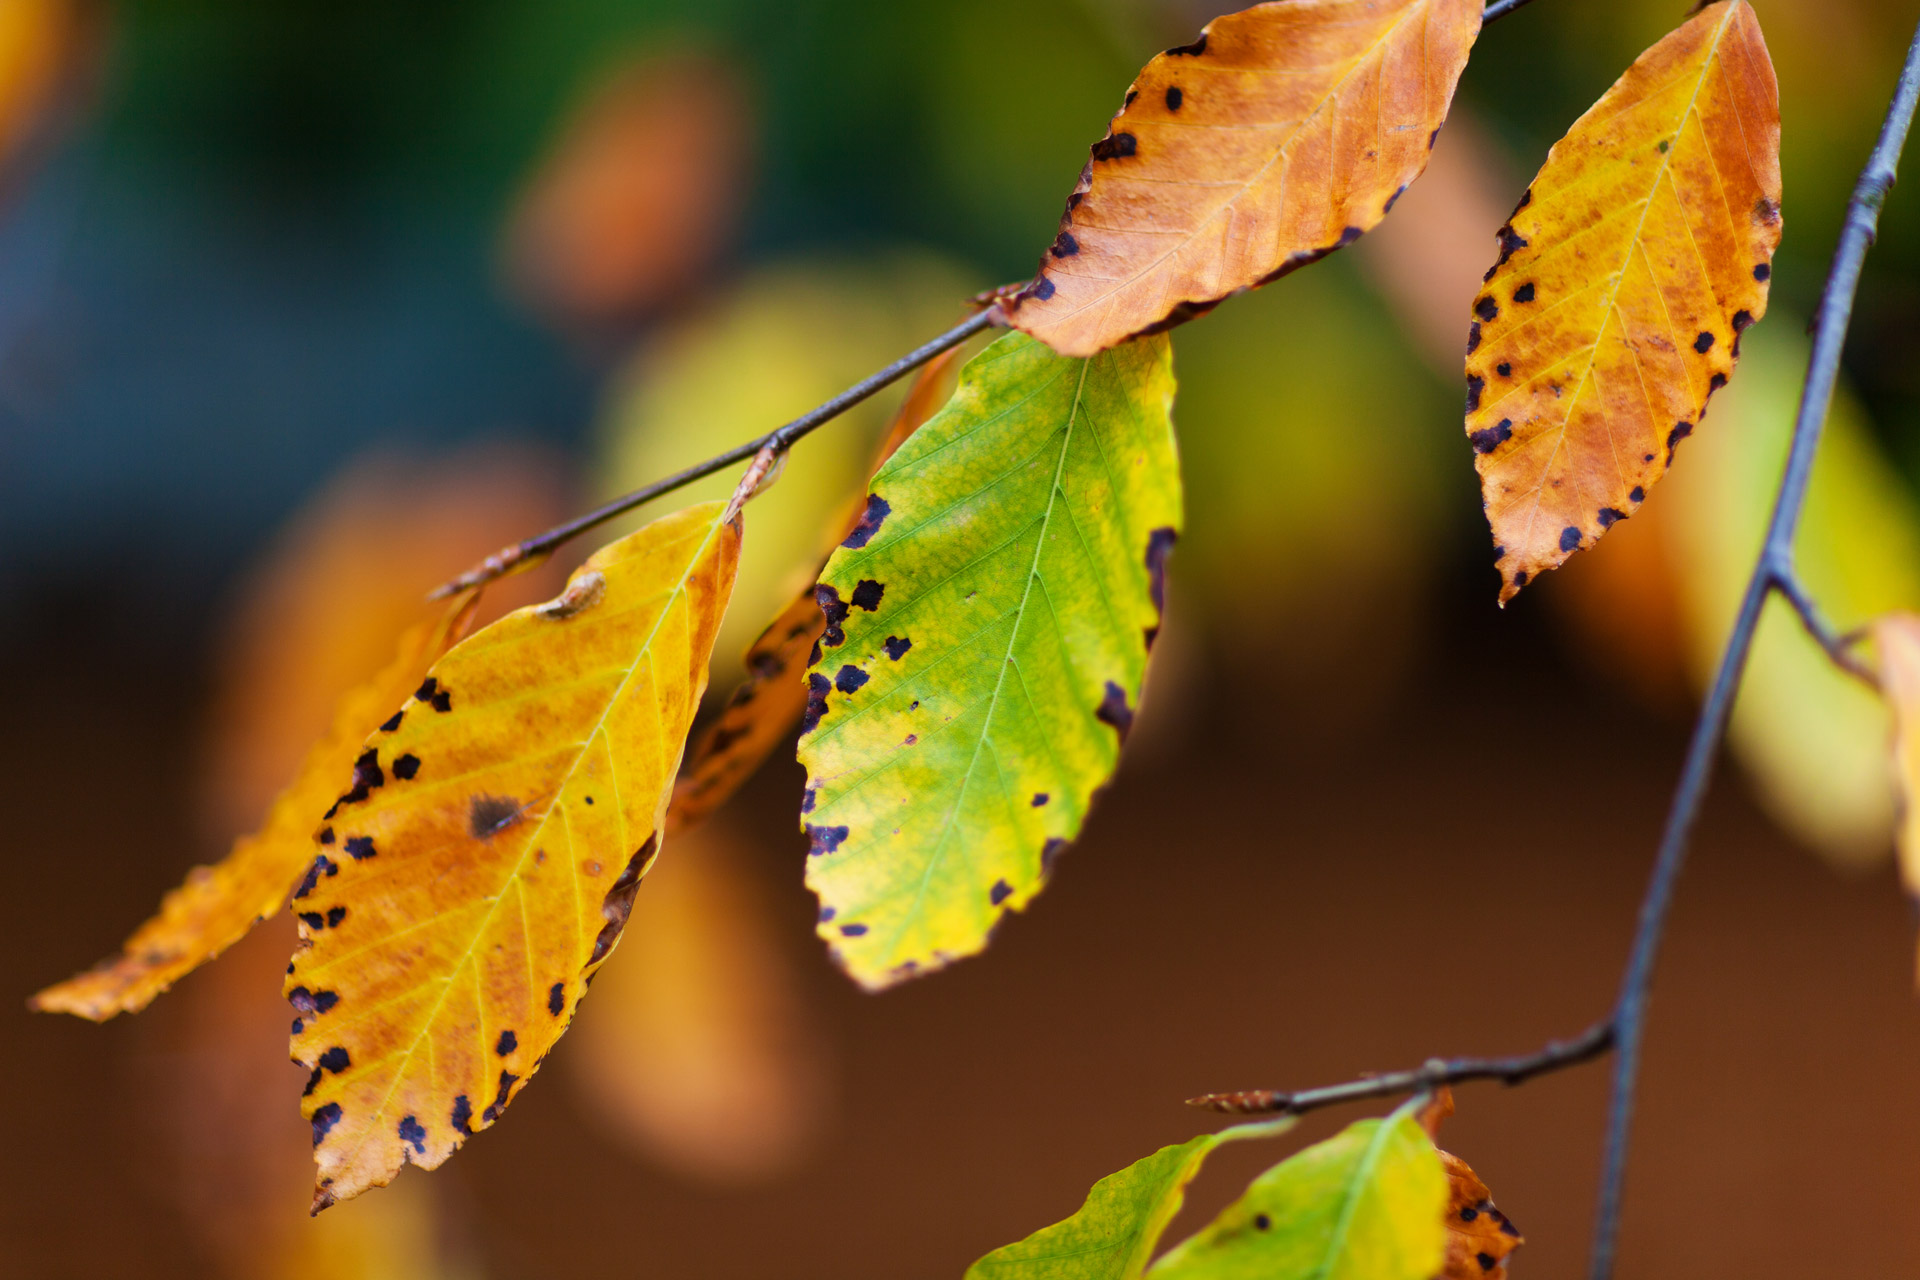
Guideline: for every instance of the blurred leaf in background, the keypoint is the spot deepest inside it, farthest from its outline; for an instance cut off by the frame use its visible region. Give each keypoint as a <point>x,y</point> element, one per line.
<point>700,1051</point>
<point>640,192</point>
<point>47,52</point>
<point>1320,469</point>
<point>779,342</point>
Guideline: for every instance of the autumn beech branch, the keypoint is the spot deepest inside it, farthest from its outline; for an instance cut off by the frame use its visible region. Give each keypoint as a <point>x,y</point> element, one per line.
<point>1773,572</point>
<point>775,442</point>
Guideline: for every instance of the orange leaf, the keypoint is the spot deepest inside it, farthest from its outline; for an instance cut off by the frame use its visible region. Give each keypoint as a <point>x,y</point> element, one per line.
<point>1479,1236</point>
<point>1283,133</point>
<point>764,706</point>
<point>485,860</point>
<point>1640,253</point>
<point>217,905</point>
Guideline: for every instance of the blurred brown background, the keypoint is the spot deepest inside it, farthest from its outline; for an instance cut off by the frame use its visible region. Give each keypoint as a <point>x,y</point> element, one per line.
<point>303,307</point>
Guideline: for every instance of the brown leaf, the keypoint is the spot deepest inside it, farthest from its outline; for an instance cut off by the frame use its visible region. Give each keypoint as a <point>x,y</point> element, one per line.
<point>769,702</point>
<point>1625,278</point>
<point>1479,1236</point>
<point>1283,133</point>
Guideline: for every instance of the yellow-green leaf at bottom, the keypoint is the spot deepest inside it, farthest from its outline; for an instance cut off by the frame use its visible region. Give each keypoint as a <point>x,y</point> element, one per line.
<point>1116,1230</point>
<point>987,631</point>
<point>1365,1205</point>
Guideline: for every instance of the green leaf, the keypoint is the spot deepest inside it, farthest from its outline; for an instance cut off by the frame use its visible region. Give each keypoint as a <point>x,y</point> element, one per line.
<point>1118,1227</point>
<point>988,626</point>
<point>1365,1205</point>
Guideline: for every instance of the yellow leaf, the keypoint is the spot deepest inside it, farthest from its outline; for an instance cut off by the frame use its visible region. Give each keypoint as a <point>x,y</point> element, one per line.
<point>486,857</point>
<point>768,702</point>
<point>1283,133</point>
<point>1635,260</point>
<point>217,905</point>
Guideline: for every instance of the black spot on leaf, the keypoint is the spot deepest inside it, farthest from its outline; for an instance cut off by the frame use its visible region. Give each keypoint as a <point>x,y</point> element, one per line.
<point>334,916</point>
<point>556,998</point>
<point>1486,1260</point>
<point>1511,241</point>
<point>1473,337</point>
<point>1762,272</point>
<point>1569,538</point>
<point>1042,289</point>
<point>324,1118</point>
<point>866,594</point>
<point>897,646</point>
<point>1638,494</point>
<point>849,679</point>
<point>1115,146</point>
<point>1193,50</point>
<point>1113,709</point>
<point>326,835</point>
<point>359,848</point>
<point>1475,385</point>
<point>1504,369</point>
<point>499,1102</point>
<point>1524,293</point>
<point>1040,798</point>
<point>336,1060</point>
<point>506,1044</point>
<point>853,930</point>
<point>1490,438</point>
<point>1487,309</point>
<point>1742,319</point>
<point>834,610</point>
<point>824,840</point>
<point>406,766</point>
<point>322,865</point>
<point>426,691</point>
<point>1050,852</point>
<point>443,700</point>
<point>488,816</point>
<point>1064,245</point>
<point>392,722</point>
<point>818,686</point>
<point>1174,98</point>
<point>1703,343</point>
<point>1681,430</point>
<point>1000,892</point>
<point>462,1117</point>
<point>1609,516</point>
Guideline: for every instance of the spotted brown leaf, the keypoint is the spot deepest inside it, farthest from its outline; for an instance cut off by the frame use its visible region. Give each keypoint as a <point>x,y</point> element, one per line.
<point>1284,132</point>
<point>1635,260</point>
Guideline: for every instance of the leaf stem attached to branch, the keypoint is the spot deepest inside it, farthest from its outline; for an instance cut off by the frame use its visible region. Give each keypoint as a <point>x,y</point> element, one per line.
<point>778,440</point>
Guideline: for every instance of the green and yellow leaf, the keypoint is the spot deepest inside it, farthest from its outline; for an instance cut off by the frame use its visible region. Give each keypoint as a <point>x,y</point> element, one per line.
<point>217,905</point>
<point>1115,1233</point>
<point>767,703</point>
<point>1635,260</point>
<point>987,629</point>
<point>1284,132</point>
<point>1365,1205</point>
<point>484,862</point>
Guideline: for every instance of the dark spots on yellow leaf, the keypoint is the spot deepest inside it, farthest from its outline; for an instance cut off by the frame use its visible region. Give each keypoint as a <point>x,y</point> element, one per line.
<point>1393,199</point>
<point>1160,544</point>
<point>827,914</point>
<point>298,1024</point>
<point>1526,198</point>
<point>488,816</point>
<point>1113,710</point>
<point>853,930</point>
<point>834,610</point>
<point>366,777</point>
<point>506,1044</point>
<point>1520,579</point>
<point>1766,212</point>
<point>1434,136</point>
<point>1116,146</point>
<point>1050,853</point>
<point>499,1102</point>
<point>462,1117</point>
<point>1475,385</point>
<point>849,679</point>
<point>334,916</point>
<point>1499,554</point>
<point>1742,319</point>
<point>413,1134</point>
<point>1487,309</point>
<point>1473,337</point>
<point>556,998</point>
<point>1040,798</point>
<point>1524,293</point>
<point>807,799</point>
<point>1193,50</point>
<point>324,1118</point>
<point>910,739</point>
<point>309,1003</point>
<point>1128,100</point>
<point>1064,245</point>
<point>326,835</point>
<point>1506,1225</point>
<point>1490,438</point>
<point>618,904</point>
<point>1174,97</point>
<point>818,686</point>
<point>1349,235</point>
<point>1681,430</point>
<point>406,766</point>
<point>1569,538</point>
<point>1762,272</point>
<point>1646,457</point>
<point>914,705</point>
<point>392,722</point>
<point>1703,343</point>
<point>1610,516</point>
<point>1639,494</point>
<point>426,690</point>
<point>1469,1213</point>
<point>824,840</point>
<point>443,701</point>
<point>322,865</point>
<point>1664,144</point>
<point>360,848</point>
<point>866,594</point>
<point>313,1082</point>
<point>1504,369</point>
<point>336,1060</point>
<point>1000,892</point>
<point>1042,289</point>
<point>897,646</point>
<point>1716,382</point>
<point>1487,1261</point>
<point>1511,241</point>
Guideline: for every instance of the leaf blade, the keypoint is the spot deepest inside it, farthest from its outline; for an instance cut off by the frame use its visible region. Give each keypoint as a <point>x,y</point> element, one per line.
<point>1638,256</point>
<point>441,942</point>
<point>943,678</point>
<point>1276,184</point>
